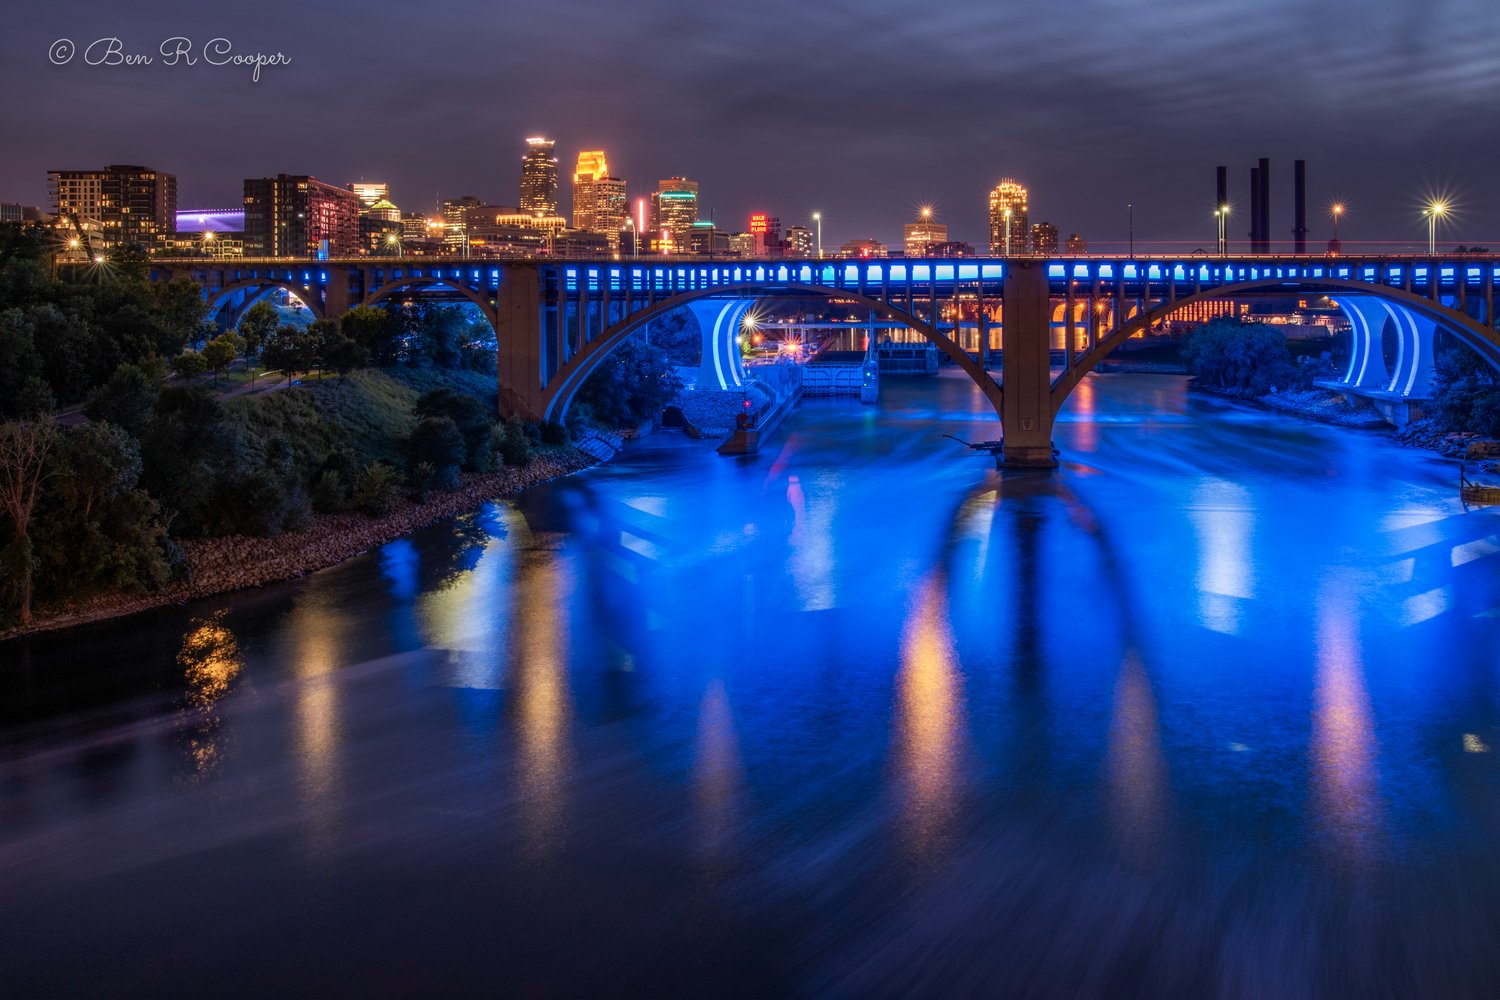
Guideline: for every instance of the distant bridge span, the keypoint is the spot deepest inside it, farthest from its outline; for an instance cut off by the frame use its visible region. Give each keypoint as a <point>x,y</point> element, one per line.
<point>556,321</point>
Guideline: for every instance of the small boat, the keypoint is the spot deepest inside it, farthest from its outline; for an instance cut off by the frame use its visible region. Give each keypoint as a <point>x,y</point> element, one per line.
<point>1476,493</point>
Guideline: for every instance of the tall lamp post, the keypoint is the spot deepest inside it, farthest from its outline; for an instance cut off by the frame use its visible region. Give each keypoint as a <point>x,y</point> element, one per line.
<point>1433,212</point>
<point>1222,214</point>
<point>818,221</point>
<point>1337,211</point>
<point>1131,210</point>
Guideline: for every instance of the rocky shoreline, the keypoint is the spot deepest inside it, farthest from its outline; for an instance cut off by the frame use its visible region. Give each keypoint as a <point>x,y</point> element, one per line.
<point>237,562</point>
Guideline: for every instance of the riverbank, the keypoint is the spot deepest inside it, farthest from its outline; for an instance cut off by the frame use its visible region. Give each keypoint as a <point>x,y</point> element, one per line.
<point>1314,404</point>
<point>237,562</point>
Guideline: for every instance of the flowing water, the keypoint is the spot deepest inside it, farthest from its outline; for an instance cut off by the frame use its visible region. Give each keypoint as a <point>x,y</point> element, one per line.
<point>1214,710</point>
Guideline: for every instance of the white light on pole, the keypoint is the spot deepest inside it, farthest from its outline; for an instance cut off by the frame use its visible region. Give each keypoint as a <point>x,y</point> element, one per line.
<point>818,219</point>
<point>1434,211</point>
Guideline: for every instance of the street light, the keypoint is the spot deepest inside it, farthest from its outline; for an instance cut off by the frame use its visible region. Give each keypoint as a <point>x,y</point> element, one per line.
<point>208,237</point>
<point>1433,212</point>
<point>394,242</point>
<point>818,218</point>
<point>635,241</point>
<point>1222,214</point>
<point>1337,211</point>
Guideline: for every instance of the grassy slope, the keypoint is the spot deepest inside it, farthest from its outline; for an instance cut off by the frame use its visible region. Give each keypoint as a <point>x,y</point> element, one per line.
<point>368,412</point>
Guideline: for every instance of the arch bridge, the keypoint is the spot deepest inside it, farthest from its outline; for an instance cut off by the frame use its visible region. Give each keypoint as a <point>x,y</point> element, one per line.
<point>556,321</point>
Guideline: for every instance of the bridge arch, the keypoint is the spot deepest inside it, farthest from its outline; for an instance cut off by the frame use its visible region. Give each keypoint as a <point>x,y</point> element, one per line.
<point>1482,339</point>
<point>257,288</point>
<point>416,284</point>
<point>569,378</point>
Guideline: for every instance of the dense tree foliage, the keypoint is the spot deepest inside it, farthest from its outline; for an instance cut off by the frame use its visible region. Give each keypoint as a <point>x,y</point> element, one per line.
<point>1243,357</point>
<point>152,451</point>
<point>630,386</point>
<point>1465,392</point>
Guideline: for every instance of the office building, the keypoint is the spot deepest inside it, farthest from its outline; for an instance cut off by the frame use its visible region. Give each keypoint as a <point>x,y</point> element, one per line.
<point>675,209</point>
<point>924,233</point>
<point>369,192</point>
<point>800,242</point>
<point>1076,244</point>
<point>539,177</point>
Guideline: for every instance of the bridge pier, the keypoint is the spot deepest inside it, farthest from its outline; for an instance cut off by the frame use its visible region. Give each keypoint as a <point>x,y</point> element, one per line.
<point>1026,377</point>
<point>719,323</point>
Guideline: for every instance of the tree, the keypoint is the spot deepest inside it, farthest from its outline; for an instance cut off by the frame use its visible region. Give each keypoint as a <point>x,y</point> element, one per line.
<point>255,327</point>
<point>128,398</point>
<point>630,386</point>
<point>375,489</point>
<point>189,365</point>
<point>1465,392</point>
<point>437,443</point>
<point>289,351</point>
<point>470,416</point>
<point>24,446</point>
<point>1245,357</point>
<point>377,331</point>
<point>512,443</point>
<point>219,353</point>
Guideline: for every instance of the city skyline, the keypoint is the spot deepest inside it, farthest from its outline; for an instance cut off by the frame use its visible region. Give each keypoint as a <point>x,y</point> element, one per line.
<point>1071,108</point>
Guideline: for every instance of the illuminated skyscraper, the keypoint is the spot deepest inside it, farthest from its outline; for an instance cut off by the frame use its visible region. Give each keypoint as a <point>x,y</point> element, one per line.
<point>676,209</point>
<point>539,177</point>
<point>370,192</point>
<point>1043,239</point>
<point>295,215</point>
<point>1009,228</point>
<point>591,166</point>
<point>611,208</point>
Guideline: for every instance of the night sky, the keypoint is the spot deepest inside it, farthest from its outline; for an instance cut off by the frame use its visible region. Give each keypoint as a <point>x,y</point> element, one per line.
<point>863,109</point>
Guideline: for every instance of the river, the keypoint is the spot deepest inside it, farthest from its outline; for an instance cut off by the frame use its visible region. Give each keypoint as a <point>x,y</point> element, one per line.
<point>1214,710</point>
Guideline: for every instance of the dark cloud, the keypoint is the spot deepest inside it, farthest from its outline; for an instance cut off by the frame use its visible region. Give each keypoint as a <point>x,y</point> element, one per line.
<point>861,109</point>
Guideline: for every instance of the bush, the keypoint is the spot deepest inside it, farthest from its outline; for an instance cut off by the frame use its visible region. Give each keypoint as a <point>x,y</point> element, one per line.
<point>376,489</point>
<point>515,443</point>
<point>330,492</point>
<point>436,442</point>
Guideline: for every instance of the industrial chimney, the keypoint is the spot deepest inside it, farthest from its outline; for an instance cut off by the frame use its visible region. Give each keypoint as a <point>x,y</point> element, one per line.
<point>1264,223</point>
<point>1255,210</point>
<point>1299,179</point>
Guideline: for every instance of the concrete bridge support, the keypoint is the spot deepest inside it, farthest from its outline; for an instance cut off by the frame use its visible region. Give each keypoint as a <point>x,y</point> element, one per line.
<point>1027,411</point>
<point>719,322</point>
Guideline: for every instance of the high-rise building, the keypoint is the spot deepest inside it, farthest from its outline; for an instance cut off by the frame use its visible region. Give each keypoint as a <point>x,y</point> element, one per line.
<point>370,192</point>
<point>295,215</point>
<point>1076,244</point>
<point>675,209</point>
<point>539,177</point>
<point>924,233</point>
<point>742,244</point>
<point>599,201</point>
<point>120,205</point>
<point>591,166</point>
<point>611,209</point>
<point>1009,228</point>
<point>799,241</point>
<point>1043,239</point>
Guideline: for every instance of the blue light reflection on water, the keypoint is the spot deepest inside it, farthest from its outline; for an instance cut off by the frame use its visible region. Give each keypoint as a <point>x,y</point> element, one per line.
<point>1220,650</point>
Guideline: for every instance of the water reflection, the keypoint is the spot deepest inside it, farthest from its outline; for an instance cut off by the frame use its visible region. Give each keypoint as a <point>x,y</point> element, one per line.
<point>1136,768</point>
<point>540,664</point>
<point>1345,786</point>
<point>717,776</point>
<point>210,660</point>
<point>929,720</point>
<point>318,635</point>
<point>1223,518</point>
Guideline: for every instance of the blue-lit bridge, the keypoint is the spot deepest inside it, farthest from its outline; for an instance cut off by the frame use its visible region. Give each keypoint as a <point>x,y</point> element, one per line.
<point>556,321</point>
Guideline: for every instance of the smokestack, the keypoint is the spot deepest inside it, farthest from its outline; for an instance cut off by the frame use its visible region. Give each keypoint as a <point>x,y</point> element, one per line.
<point>1299,180</point>
<point>1255,210</point>
<point>1265,205</point>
